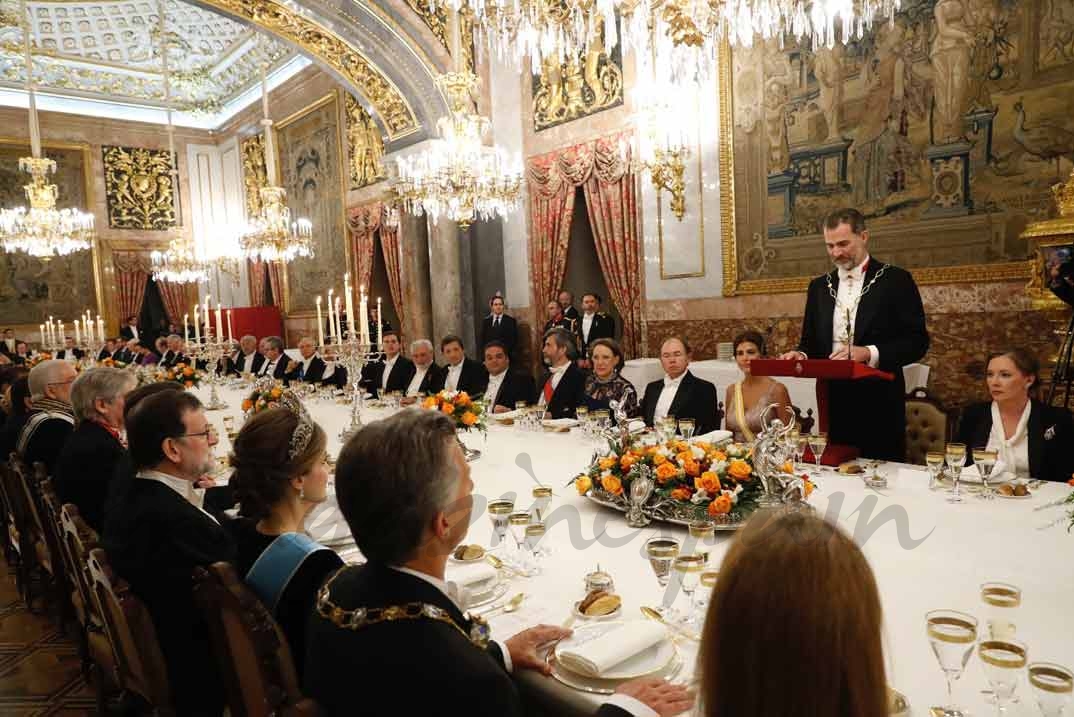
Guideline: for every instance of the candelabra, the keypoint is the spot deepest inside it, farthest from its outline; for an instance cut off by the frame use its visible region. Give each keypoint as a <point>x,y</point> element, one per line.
<point>91,348</point>
<point>353,354</point>
<point>211,351</point>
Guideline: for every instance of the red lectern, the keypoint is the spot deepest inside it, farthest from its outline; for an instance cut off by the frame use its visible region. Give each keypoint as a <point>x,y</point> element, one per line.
<point>823,370</point>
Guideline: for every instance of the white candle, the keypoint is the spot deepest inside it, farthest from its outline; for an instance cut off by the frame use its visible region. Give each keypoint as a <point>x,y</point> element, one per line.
<point>49,324</point>
<point>186,328</point>
<point>42,335</point>
<point>197,326</point>
<point>219,322</point>
<point>363,319</point>
<point>60,333</point>
<point>339,320</point>
<point>380,326</point>
<point>207,317</point>
<point>331,321</point>
<point>100,327</point>
<point>320,324</point>
<point>78,334</point>
<point>349,291</point>
<point>230,338</point>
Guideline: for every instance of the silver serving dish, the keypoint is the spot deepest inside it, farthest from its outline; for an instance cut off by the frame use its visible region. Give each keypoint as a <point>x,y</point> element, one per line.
<point>668,511</point>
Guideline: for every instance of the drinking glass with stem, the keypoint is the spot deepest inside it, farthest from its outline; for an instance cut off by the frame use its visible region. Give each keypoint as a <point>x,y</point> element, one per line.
<point>499,512</point>
<point>799,449</point>
<point>1053,687</point>
<point>934,461</point>
<point>952,635</point>
<point>517,523</point>
<point>1003,662</point>
<point>955,455</point>
<point>533,534</point>
<point>661,552</point>
<point>985,460</point>
<point>686,428</point>
<point>1001,602</point>
<point>582,414</point>
<point>703,530</point>
<point>706,583</point>
<point>688,569</point>
<point>542,498</point>
<point>817,443</point>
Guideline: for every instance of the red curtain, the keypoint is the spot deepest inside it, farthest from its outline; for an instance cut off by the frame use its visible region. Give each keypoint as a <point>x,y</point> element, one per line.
<point>255,271</point>
<point>389,246</point>
<point>174,297</point>
<point>275,276</point>
<point>132,273</point>
<point>363,222</point>
<point>551,208</point>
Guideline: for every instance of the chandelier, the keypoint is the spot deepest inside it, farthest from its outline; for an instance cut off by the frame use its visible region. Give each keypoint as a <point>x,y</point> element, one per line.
<point>42,230</point>
<point>459,176</point>
<point>273,235</point>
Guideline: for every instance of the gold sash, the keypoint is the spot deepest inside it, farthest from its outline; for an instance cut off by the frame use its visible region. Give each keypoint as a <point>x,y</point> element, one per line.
<point>740,414</point>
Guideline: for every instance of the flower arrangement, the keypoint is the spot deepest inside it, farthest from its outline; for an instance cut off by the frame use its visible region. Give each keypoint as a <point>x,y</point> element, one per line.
<point>263,398</point>
<point>112,363</point>
<point>182,373</point>
<point>468,414</point>
<point>700,479</point>
<point>38,358</point>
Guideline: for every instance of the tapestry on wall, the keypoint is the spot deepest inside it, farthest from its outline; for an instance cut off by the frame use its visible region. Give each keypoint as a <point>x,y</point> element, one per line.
<point>946,128</point>
<point>139,187</point>
<point>31,290</point>
<point>311,170</point>
<point>579,86</point>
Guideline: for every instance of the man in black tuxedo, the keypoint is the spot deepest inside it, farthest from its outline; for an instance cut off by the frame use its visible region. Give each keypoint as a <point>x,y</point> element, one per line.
<point>52,418</point>
<point>882,307</point>
<point>156,532</point>
<point>174,353</point>
<point>246,360</point>
<point>22,353</point>
<point>594,324</point>
<point>404,487</point>
<point>7,345</point>
<point>426,372</point>
<point>680,393</point>
<point>311,368</point>
<point>275,365</point>
<point>69,352</point>
<point>460,373</point>
<point>566,306</point>
<point>562,388</point>
<point>498,326</point>
<point>108,351</point>
<point>130,329</point>
<point>394,372</point>
<point>556,320</point>
<point>506,387</point>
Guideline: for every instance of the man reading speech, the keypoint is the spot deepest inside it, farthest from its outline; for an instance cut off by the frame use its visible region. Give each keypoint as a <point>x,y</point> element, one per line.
<point>867,311</point>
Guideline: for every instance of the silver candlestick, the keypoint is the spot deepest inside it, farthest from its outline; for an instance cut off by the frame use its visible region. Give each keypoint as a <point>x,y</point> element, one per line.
<point>211,352</point>
<point>353,354</point>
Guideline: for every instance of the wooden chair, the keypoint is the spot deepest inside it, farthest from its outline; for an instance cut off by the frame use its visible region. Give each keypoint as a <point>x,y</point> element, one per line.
<point>139,664</point>
<point>12,523</point>
<point>38,560</point>
<point>250,647</point>
<point>928,426</point>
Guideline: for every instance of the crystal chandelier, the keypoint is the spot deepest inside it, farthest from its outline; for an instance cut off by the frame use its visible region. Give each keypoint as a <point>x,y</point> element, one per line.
<point>459,177</point>
<point>273,235</point>
<point>42,231</point>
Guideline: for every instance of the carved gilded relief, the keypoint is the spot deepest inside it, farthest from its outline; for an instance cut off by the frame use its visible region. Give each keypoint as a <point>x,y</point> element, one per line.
<point>365,144</point>
<point>436,19</point>
<point>254,175</point>
<point>577,87</point>
<point>138,187</point>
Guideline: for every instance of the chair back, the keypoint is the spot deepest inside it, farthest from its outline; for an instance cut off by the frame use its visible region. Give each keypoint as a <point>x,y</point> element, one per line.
<point>250,648</point>
<point>805,421</point>
<point>140,666</point>
<point>26,485</point>
<point>13,522</point>
<point>76,540</point>
<point>927,426</point>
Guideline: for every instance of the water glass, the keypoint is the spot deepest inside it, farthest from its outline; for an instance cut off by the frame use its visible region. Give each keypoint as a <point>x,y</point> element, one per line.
<point>1053,687</point>
<point>706,584</point>
<point>985,460</point>
<point>934,461</point>
<point>1003,662</point>
<point>603,417</point>
<point>499,511</point>
<point>817,443</point>
<point>662,552</point>
<point>686,428</point>
<point>517,523</point>
<point>1001,602</point>
<point>542,498</point>
<point>704,532</point>
<point>955,455</point>
<point>951,635</point>
<point>533,534</point>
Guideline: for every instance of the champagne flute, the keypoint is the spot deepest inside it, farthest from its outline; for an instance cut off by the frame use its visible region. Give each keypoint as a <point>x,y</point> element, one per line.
<point>517,523</point>
<point>542,498</point>
<point>532,536</point>
<point>582,414</point>
<point>934,460</point>
<point>499,511</point>
<point>706,583</point>
<point>686,428</point>
<point>817,444</point>
<point>688,569</point>
<point>799,449</point>
<point>1003,662</point>
<point>1001,602</point>
<point>792,444</point>
<point>1053,686</point>
<point>985,460</point>
<point>704,532</point>
<point>955,454</point>
<point>661,552</point>
<point>951,635</point>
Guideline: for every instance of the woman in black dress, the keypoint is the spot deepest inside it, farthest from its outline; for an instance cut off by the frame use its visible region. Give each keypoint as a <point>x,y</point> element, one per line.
<point>605,384</point>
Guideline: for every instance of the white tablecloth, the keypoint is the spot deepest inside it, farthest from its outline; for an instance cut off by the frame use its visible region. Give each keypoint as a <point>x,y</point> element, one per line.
<point>963,545</point>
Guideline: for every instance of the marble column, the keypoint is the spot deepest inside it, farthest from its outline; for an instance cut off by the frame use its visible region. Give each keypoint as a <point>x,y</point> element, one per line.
<point>450,280</point>
<point>414,272</point>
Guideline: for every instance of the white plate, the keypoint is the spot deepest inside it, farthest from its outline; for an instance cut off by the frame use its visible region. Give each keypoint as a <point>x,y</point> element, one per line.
<point>647,662</point>
<point>615,614</point>
<point>1027,496</point>
<point>495,590</point>
<point>453,559</point>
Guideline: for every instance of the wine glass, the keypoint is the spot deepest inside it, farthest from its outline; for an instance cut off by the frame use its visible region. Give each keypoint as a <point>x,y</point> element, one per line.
<point>1053,686</point>
<point>582,414</point>
<point>532,536</point>
<point>688,569</point>
<point>542,498</point>
<point>704,532</point>
<point>1001,602</point>
<point>955,454</point>
<point>817,444</point>
<point>686,428</point>
<point>951,635</point>
<point>499,511</point>
<point>604,417</point>
<point>791,443</point>
<point>799,448</point>
<point>517,523</point>
<point>934,460</point>
<point>706,583</point>
<point>985,460</point>
<point>1003,662</point>
<point>661,552</point>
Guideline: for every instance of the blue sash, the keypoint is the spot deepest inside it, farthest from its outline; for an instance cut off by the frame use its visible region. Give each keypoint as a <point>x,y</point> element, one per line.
<point>275,567</point>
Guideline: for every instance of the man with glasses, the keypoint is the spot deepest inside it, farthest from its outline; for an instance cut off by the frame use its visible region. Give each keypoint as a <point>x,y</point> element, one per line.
<point>52,419</point>
<point>275,364</point>
<point>155,533</point>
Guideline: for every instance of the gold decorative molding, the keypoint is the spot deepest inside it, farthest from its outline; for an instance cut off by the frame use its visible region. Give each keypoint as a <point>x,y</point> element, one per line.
<point>138,188</point>
<point>701,223</point>
<point>254,174</point>
<point>577,87</point>
<point>365,146</point>
<point>327,47</point>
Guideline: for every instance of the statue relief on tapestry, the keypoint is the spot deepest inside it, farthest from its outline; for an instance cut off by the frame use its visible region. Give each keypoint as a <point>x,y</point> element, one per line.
<point>31,290</point>
<point>579,86</point>
<point>139,188</point>
<point>254,175</point>
<point>311,170</point>
<point>945,128</point>
<point>366,146</point>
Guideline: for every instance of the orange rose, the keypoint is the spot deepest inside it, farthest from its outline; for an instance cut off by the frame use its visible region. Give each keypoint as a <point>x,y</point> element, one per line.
<point>692,467</point>
<point>708,482</point>
<point>720,506</point>
<point>739,470</point>
<point>684,456</point>
<point>788,467</point>
<point>189,384</point>
<point>462,399</point>
<point>247,404</point>
<point>612,484</point>
<point>188,371</point>
<point>276,392</point>
<point>666,472</point>
<point>808,487</point>
<point>447,408</point>
<point>429,402</point>
<point>607,463</point>
<point>582,484</point>
<point>681,446</point>
<point>626,462</point>
<point>659,459</point>
<point>1070,482</point>
<point>170,375</point>
<point>681,493</point>
<point>718,456</point>
<point>469,419</point>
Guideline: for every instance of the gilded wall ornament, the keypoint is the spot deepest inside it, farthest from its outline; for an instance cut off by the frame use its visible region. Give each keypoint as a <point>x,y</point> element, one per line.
<point>577,87</point>
<point>254,175</point>
<point>138,187</point>
<point>436,19</point>
<point>365,144</point>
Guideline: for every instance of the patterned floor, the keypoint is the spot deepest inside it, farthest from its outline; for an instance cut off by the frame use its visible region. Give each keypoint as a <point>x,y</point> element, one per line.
<point>39,666</point>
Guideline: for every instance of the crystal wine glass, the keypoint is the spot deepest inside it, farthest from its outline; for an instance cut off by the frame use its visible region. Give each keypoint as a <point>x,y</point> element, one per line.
<point>706,582</point>
<point>955,454</point>
<point>1001,606</point>
<point>532,536</point>
<point>951,635</point>
<point>985,460</point>
<point>1003,662</point>
<point>934,460</point>
<point>517,523</point>
<point>542,498</point>
<point>661,552</point>
<point>603,417</point>
<point>1053,686</point>
<point>792,443</point>
<point>817,443</point>
<point>499,511</point>
<point>799,449</point>
<point>686,428</point>
<point>704,532</point>
<point>582,414</point>
<point>688,569</point>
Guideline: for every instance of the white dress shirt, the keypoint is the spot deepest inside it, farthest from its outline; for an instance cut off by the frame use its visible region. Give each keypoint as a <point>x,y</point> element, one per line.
<point>415,383</point>
<point>134,331</point>
<point>1013,452</point>
<point>10,345</point>
<point>451,383</point>
<point>184,488</point>
<point>667,396</point>
<point>389,364</point>
<point>306,364</point>
<point>587,324</point>
<point>554,378</point>
<point>493,388</point>
<point>248,362</point>
<point>269,367</point>
<point>848,296</point>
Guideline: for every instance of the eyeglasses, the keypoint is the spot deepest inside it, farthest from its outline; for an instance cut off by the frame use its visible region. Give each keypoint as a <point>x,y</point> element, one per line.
<point>209,433</point>
<point>61,383</point>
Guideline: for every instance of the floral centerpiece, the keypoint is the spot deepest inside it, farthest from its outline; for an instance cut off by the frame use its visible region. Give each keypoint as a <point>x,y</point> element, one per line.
<point>182,373</point>
<point>467,413</point>
<point>38,358</point>
<point>693,480</point>
<point>112,363</point>
<point>263,398</point>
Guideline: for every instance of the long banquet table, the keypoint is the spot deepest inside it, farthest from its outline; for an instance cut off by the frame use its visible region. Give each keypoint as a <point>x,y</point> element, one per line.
<point>961,547</point>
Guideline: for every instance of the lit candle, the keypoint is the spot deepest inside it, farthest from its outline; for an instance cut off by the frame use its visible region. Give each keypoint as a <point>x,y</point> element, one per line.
<point>100,328</point>
<point>349,292</point>
<point>186,327</point>
<point>42,335</point>
<point>78,334</point>
<point>230,338</point>
<point>50,328</point>
<point>331,321</point>
<point>207,317</point>
<point>60,333</point>
<point>363,319</point>
<point>339,320</point>
<point>219,322</point>
<point>380,326</point>
<point>197,326</point>
<point>320,324</point>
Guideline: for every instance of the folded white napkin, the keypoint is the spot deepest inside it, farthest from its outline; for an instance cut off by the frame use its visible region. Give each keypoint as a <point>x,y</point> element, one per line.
<point>594,657</point>
<point>636,425</point>
<point>560,422</point>
<point>713,436</point>
<point>504,415</point>
<point>470,574</point>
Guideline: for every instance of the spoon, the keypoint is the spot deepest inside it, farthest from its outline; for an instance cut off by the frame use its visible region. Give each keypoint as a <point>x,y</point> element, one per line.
<point>653,614</point>
<point>500,565</point>
<point>507,607</point>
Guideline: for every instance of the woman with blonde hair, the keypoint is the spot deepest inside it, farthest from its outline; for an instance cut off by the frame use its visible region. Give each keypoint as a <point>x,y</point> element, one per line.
<point>794,594</point>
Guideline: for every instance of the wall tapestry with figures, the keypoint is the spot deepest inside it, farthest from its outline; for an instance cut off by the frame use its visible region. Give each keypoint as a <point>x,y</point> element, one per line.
<point>311,158</point>
<point>577,87</point>
<point>31,290</point>
<point>946,129</point>
<point>139,187</point>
